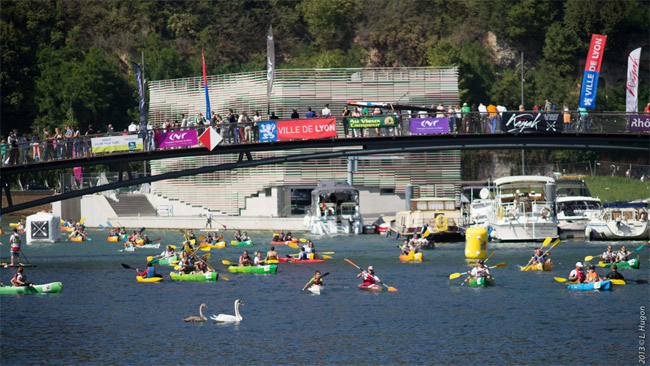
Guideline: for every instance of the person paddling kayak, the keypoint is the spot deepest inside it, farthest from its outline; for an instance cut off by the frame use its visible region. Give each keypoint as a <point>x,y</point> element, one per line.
<point>245,259</point>
<point>608,256</point>
<point>316,280</point>
<point>614,274</point>
<point>592,276</point>
<point>271,255</point>
<point>479,271</point>
<point>20,279</point>
<point>578,274</point>
<point>150,272</point>
<point>539,257</point>
<point>369,277</point>
<point>622,255</point>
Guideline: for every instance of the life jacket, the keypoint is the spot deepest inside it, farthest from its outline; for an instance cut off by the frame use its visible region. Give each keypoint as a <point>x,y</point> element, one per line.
<point>581,274</point>
<point>318,281</point>
<point>151,272</point>
<point>481,272</point>
<point>19,276</point>
<point>592,277</point>
<point>368,279</point>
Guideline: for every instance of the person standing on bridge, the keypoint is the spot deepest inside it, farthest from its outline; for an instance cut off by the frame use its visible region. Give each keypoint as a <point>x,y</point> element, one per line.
<point>482,109</point>
<point>492,112</point>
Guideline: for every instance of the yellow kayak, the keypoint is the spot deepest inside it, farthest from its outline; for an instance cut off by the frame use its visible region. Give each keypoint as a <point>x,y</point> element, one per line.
<point>154,279</point>
<point>538,267</point>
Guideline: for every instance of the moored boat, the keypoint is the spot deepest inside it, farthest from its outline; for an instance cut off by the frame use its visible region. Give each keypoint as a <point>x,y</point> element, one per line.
<point>316,289</point>
<point>269,268</point>
<point>538,267</point>
<point>208,276</point>
<point>600,285</point>
<point>334,209</point>
<point>632,263</point>
<point>371,287</point>
<point>620,221</point>
<point>438,215</point>
<point>481,282</point>
<point>48,288</point>
<point>246,242</point>
<point>144,279</point>
<point>574,214</point>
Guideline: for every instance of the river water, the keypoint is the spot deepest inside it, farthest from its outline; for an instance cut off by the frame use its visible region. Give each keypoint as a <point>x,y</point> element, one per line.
<point>104,317</point>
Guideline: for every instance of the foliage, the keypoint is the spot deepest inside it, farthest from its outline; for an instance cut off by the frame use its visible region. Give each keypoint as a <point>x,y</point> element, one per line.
<point>612,189</point>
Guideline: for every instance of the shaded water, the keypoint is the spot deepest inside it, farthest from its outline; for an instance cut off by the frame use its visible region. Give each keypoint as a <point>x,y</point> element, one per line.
<point>103,316</point>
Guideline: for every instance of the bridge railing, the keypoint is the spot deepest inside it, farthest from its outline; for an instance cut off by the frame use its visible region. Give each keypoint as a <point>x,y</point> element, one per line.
<point>404,124</point>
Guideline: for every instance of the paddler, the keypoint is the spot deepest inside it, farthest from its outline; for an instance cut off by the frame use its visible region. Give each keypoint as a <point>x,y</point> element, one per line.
<point>608,256</point>
<point>185,264</point>
<point>20,279</point>
<point>479,271</point>
<point>622,255</point>
<point>150,272</point>
<point>592,276</point>
<point>190,235</point>
<point>302,256</point>
<point>168,253</point>
<point>310,250</point>
<point>245,259</point>
<point>288,237</point>
<point>200,267</point>
<point>369,277</point>
<point>244,237</point>
<point>278,237</point>
<point>146,240</point>
<point>238,236</point>
<point>578,274</point>
<point>316,280</point>
<point>614,274</point>
<point>539,256</point>
<point>406,247</point>
<point>14,240</point>
<point>271,255</point>
<point>258,261</point>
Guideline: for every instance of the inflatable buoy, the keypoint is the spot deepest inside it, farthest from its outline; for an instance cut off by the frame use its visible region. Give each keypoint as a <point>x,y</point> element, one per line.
<point>546,212</point>
<point>476,239</point>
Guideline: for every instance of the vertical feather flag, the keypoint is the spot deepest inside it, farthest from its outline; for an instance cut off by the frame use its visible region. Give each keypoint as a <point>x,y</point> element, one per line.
<point>270,67</point>
<point>207,97</point>
<point>140,80</point>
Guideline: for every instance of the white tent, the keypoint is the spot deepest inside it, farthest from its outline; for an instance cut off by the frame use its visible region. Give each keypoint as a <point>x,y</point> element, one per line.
<point>43,227</point>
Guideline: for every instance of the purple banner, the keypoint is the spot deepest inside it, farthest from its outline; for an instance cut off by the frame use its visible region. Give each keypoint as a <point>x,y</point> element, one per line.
<point>639,122</point>
<point>171,139</point>
<point>429,125</point>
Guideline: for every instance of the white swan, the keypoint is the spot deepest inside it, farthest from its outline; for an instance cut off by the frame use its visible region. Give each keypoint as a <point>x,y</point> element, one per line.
<point>225,318</point>
<point>195,318</point>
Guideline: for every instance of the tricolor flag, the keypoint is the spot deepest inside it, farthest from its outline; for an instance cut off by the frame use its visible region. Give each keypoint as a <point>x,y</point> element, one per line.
<point>210,138</point>
<point>207,97</point>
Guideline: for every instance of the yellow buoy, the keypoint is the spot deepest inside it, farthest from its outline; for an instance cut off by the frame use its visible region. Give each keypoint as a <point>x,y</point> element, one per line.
<point>476,243</point>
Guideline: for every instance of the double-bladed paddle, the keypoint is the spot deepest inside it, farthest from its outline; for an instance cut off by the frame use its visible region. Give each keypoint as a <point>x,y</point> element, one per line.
<point>458,274</point>
<point>390,288</point>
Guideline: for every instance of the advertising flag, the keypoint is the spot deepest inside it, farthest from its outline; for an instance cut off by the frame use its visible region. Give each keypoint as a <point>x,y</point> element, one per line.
<point>270,63</point>
<point>592,70</point>
<point>207,97</point>
<point>632,85</point>
<point>140,81</point>
<point>210,138</point>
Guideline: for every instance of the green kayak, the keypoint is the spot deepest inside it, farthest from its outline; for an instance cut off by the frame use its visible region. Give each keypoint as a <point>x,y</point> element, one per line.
<point>209,276</point>
<point>269,268</point>
<point>632,263</point>
<point>247,242</point>
<point>48,288</point>
<point>166,261</point>
<point>481,282</point>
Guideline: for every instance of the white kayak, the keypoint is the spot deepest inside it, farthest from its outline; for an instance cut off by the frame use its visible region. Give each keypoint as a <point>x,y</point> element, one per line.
<point>132,248</point>
<point>316,289</point>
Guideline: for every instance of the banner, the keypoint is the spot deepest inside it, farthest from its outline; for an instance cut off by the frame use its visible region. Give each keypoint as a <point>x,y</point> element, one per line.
<point>139,79</point>
<point>638,123</point>
<point>116,143</point>
<point>592,70</point>
<point>171,139</point>
<point>370,122</point>
<point>514,122</point>
<point>305,129</point>
<point>429,125</point>
<point>632,85</point>
<point>210,138</point>
<point>205,82</point>
<point>270,64</point>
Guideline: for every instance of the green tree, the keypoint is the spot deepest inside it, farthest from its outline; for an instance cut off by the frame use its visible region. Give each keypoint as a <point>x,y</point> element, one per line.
<point>330,22</point>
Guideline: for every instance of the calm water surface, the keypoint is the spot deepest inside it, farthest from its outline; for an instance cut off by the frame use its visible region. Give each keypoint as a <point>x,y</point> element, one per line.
<point>103,316</point>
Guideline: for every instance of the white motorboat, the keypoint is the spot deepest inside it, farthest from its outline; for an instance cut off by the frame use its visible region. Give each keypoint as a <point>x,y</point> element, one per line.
<point>334,209</point>
<point>437,214</point>
<point>574,213</point>
<point>523,209</point>
<point>620,221</point>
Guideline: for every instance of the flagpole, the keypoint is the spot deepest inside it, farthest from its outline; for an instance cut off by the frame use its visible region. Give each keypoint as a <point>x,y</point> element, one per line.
<point>143,82</point>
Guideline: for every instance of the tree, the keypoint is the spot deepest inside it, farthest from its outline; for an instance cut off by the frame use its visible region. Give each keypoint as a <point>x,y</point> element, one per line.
<point>330,22</point>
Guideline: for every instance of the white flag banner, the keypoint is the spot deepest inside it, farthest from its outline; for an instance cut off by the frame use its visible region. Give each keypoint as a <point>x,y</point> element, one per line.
<point>632,85</point>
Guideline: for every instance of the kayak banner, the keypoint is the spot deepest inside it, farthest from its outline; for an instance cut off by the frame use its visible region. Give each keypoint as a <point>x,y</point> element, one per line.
<point>308,129</point>
<point>638,123</point>
<point>372,122</point>
<point>168,140</point>
<point>116,143</point>
<point>592,70</point>
<point>429,125</point>
<point>532,122</point>
<point>632,85</point>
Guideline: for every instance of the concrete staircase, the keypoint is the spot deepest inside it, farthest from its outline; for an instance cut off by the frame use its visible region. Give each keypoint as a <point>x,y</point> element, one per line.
<point>132,205</point>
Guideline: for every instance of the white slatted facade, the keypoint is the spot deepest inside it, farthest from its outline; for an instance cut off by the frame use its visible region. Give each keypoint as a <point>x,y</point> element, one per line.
<point>433,173</point>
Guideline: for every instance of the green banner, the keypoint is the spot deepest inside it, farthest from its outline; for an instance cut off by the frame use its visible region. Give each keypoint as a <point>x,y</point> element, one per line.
<point>370,122</point>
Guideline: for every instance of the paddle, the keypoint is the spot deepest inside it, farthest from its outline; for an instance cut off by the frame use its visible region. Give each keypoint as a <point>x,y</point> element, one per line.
<point>458,274</point>
<point>546,241</point>
<point>392,289</point>
<point>488,258</point>
<point>327,257</point>
<point>81,222</point>
<point>590,257</point>
<point>126,266</point>
<point>293,245</point>
<point>108,223</point>
<point>228,263</point>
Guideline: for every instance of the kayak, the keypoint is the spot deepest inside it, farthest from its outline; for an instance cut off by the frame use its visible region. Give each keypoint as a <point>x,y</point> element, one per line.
<point>131,248</point>
<point>411,257</point>
<point>247,242</point>
<point>600,285</point>
<point>206,247</point>
<point>209,276</point>
<point>632,263</point>
<point>67,228</point>
<point>538,267</point>
<point>49,288</point>
<point>153,279</point>
<point>113,238</point>
<point>316,289</point>
<point>371,287</point>
<point>165,261</point>
<point>291,260</point>
<point>284,242</point>
<point>481,282</point>
<point>269,268</point>
<point>77,238</point>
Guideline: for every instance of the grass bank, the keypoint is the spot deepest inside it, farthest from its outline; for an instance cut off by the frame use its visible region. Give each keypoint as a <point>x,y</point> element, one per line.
<point>610,189</point>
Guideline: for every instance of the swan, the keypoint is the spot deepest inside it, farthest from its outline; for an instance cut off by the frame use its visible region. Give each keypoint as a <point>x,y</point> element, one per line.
<point>195,318</point>
<point>225,318</point>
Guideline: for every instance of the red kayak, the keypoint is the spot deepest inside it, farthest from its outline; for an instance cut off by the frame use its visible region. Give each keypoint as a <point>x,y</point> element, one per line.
<point>371,287</point>
<point>273,242</point>
<point>291,260</point>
